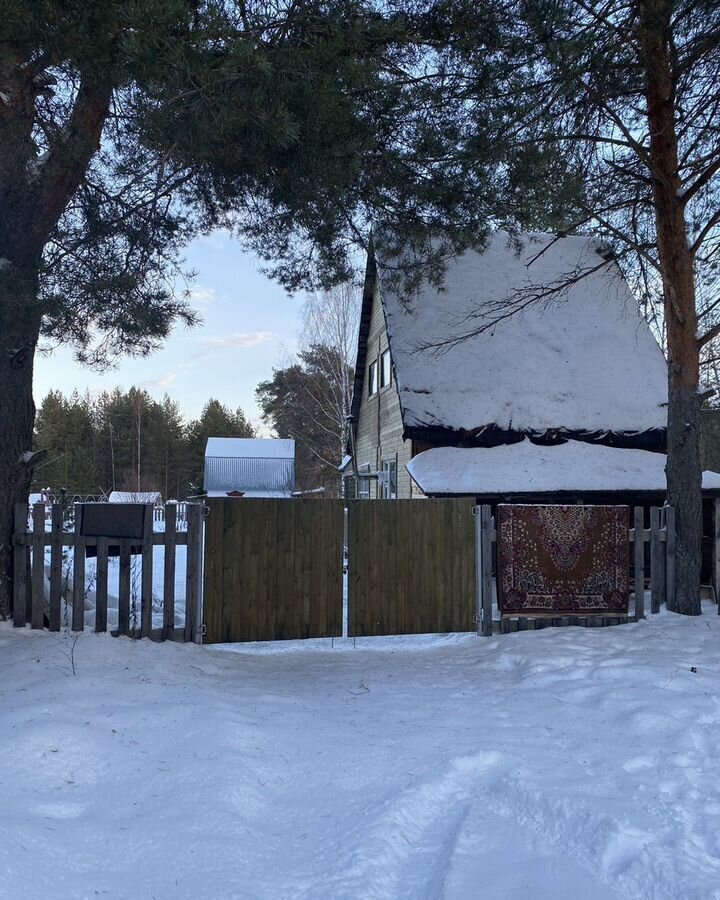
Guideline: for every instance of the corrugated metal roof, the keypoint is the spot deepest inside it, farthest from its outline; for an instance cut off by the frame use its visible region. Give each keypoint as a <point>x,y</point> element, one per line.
<point>250,448</point>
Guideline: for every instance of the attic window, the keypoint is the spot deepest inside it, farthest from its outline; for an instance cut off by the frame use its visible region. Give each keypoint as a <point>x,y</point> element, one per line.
<point>372,379</point>
<point>385,369</point>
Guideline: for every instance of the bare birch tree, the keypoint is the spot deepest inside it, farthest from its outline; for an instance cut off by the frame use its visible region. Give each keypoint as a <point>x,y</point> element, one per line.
<point>330,326</point>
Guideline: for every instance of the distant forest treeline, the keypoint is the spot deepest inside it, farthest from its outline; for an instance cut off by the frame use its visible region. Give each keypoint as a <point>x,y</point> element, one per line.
<point>127,441</point>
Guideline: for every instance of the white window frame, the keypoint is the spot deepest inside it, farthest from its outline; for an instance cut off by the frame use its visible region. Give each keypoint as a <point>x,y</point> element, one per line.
<point>385,363</point>
<point>389,467</point>
<point>373,378</point>
<point>362,488</point>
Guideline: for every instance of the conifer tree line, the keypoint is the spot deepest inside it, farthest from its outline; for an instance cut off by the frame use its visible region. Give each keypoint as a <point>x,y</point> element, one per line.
<point>126,440</point>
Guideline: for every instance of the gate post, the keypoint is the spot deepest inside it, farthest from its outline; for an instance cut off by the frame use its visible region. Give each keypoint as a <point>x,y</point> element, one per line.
<point>639,551</point>
<point>483,570</point>
<point>670,557</point>
<point>476,510</point>
<point>19,569</point>
<point>657,562</point>
<point>193,574</point>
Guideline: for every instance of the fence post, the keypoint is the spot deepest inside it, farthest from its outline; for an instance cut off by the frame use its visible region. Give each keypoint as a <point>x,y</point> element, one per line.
<point>670,557</point>
<point>101,585</point>
<point>169,572</point>
<point>19,571</point>
<point>486,569</point>
<point>639,551</point>
<point>716,553</point>
<point>56,537</point>
<point>476,511</point>
<point>193,591</point>
<point>124,588</point>
<point>657,562</point>
<point>78,615</point>
<point>146,583</point>
<point>38,566</point>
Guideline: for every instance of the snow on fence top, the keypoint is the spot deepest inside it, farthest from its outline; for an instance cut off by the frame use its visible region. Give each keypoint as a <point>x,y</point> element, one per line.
<point>527,468</point>
<point>580,359</point>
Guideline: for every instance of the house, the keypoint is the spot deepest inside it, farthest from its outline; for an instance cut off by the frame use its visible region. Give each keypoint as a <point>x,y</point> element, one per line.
<point>530,376</point>
<point>249,467</point>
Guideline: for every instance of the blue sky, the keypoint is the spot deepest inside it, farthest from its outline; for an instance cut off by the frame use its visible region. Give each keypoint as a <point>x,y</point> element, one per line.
<point>249,325</point>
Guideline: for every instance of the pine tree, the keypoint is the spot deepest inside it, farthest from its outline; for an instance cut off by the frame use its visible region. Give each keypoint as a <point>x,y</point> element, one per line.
<point>127,127</point>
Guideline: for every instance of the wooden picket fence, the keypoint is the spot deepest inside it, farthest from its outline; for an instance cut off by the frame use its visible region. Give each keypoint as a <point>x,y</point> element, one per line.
<point>30,603</point>
<point>273,570</point>
<point>661,537</point>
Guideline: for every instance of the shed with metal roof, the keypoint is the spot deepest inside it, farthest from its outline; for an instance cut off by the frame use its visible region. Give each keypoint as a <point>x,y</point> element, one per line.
<point>249,467</point>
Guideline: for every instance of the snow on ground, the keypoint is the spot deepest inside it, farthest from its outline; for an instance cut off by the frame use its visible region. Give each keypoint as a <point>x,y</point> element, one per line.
<point>114,586</point>
<point>556,764</point>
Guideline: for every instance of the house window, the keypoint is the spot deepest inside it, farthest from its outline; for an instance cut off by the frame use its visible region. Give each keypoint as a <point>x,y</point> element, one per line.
<point>372,379</point>
<point>363,489</point>
<point>389,482</point>
<point>385,369</point>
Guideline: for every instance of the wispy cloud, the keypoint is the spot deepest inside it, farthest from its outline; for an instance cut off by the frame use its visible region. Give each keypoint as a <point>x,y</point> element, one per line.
<point>245,339</point>
<point>200,295</point>
<point>165,381</point>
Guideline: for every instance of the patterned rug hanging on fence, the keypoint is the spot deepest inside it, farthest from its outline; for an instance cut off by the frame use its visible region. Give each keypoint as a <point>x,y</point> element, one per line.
<point>563,560</point>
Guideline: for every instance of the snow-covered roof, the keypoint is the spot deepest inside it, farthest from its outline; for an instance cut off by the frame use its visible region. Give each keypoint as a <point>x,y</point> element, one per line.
<point>582,360</point>
<point>134,497</point>
<point>251,448</point>
<point>528,468</point>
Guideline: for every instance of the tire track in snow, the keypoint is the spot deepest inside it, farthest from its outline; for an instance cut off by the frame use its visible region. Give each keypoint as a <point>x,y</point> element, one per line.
<point>406,852</point>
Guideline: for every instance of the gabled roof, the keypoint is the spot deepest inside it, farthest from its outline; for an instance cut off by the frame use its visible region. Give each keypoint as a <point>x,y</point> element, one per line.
<point>250,448</point>
<point>580,361</point>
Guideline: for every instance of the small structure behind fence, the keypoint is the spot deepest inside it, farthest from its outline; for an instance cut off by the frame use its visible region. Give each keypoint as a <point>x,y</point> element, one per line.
<point>30,603</point>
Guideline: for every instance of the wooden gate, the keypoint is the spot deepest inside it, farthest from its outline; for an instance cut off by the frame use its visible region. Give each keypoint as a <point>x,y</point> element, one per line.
<point>273,569</point>
<point>411,566</point>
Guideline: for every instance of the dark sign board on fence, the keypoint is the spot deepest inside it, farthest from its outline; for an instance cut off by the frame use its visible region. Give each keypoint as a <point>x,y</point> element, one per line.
<point>112,520</point>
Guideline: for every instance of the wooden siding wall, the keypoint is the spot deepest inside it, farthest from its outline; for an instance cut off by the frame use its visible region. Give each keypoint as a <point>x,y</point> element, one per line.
<point>273,569</point>
<point>379,428</point>
<point>411,567</point>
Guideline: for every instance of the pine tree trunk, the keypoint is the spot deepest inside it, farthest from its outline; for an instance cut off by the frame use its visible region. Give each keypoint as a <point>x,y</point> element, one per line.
<point>19,331</point>
<point>684,475</point>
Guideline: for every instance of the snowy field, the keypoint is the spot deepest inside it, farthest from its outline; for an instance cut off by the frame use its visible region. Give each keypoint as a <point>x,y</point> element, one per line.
<point>552,765</point>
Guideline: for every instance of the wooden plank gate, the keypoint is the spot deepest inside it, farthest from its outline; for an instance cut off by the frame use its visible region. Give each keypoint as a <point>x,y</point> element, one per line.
<point>411,566</point>
<point>273,569</point>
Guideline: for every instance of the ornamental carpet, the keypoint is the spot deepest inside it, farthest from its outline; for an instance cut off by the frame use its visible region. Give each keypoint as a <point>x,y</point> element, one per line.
<point>563,560</point>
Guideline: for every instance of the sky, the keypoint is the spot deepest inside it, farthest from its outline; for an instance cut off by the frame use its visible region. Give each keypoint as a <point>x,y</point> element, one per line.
<point>250,325</point>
